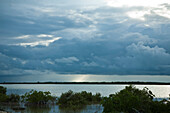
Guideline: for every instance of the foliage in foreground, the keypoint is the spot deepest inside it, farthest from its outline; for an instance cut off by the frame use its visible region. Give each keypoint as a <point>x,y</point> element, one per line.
<point>128,100</point>
<point>37,97</point>
<point>133,100</point>
<point>77,100</point>
<point>8,98</point>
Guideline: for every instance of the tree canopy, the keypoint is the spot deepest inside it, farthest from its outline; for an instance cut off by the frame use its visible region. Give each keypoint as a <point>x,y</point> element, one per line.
<point>133,100</point>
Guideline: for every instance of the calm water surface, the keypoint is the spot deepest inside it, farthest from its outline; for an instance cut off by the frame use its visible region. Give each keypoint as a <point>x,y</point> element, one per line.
<point>57,89</point>
<point>53,109</point>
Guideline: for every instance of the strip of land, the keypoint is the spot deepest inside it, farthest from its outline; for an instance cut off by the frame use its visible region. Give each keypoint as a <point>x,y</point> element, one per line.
<point>99,83</point>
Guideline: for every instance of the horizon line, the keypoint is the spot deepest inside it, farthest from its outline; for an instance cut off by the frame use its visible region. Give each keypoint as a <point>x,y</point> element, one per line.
<point>112,83</point>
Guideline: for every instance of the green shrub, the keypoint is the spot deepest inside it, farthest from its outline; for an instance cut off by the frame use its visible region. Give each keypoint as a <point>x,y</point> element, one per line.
<point>2,90</point>
<point>37,97</point>
<point>77,100</point>
<point>160,106</point>
<point>97,98</point>
<point>8,98</point>
<point>133,100</point>
<point>13,98</point>
<point>3,98</point>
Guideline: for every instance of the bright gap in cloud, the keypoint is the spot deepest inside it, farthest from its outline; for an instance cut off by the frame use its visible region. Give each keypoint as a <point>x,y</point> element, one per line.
<point>32,36</point>
<point>43,42</point>
<point>138,14</point>
<point>44,35</point>
<point>133,3</point>
<point>23,37</point>
<point>162,11</point>
<point>81,78</point>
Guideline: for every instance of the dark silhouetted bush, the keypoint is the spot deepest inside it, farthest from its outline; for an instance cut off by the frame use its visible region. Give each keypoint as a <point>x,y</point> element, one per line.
<point>37,97</point>
<point>8,98</point>
<point>77,100</point>
<point>2,90</point>
<point>133,100</point>
<point>3,98</point>
<point>13,98</point>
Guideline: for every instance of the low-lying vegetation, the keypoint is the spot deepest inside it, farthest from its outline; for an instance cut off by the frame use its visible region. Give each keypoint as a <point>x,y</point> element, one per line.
<point>8,98</point>
<point>77,100</point>
<point>128,100</point>
<point>37,97</point>
<point>133,100</point>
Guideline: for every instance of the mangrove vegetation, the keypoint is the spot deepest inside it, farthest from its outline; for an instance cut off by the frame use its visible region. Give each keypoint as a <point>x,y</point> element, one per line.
<point>133,100</point>
<point>37,97</point>
<point>8,98</point>
<point>77,100</point>
<point>128,100</point>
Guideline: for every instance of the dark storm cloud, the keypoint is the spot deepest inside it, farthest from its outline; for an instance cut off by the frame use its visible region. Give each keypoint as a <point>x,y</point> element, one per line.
<point>83,38</point>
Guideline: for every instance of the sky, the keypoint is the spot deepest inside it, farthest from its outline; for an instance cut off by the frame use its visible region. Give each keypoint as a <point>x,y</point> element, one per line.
<point>85,40</point>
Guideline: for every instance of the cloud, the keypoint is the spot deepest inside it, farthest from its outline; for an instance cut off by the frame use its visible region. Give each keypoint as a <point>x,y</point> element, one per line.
<point>133,3</point>
<point>23,37</point>
<point>145,59</point>
<point>43,43</point>
<point>44,35</point>
<point>67,60</point>
<point>138,14</point>
<point>48,61</point>
<point>90,64</point>
<point>140,48</point>
<point>113,37</point>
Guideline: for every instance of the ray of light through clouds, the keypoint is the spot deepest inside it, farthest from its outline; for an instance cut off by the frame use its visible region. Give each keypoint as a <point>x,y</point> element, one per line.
<point>84,40</point>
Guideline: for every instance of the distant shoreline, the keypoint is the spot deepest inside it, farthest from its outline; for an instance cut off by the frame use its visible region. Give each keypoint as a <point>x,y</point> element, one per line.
<point>95,83</point>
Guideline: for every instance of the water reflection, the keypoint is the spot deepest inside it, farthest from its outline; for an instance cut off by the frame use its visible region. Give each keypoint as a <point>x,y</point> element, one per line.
<point>53,109</point>
<point>38,109</point>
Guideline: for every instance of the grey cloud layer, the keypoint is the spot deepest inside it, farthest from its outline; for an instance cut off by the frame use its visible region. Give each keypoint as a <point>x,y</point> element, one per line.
<point>95,39</point>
